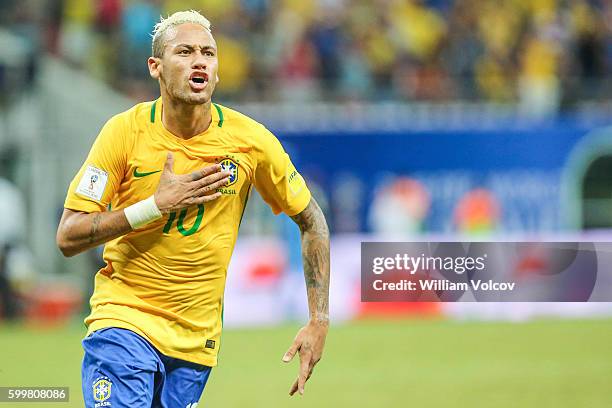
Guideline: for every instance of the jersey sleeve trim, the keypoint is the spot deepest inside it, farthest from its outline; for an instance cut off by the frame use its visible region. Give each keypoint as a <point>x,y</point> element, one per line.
<point>83,206</point>
<point>301,205</point>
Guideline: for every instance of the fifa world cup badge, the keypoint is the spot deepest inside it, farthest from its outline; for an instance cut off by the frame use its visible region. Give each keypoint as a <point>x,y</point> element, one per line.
<point>92,181</point>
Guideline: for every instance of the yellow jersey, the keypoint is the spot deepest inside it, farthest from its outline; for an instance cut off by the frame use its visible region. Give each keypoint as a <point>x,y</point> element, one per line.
<point>166,280</point>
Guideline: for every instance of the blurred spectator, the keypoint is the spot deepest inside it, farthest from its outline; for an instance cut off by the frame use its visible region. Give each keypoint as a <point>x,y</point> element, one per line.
<point>138,19</point>
<point>77,35</point>
<point>477,212</point>
<point>589,46</point>
<point>400,207</point>
<point>326,38</point>
<point>534,53</point>
<point>234,56</point>
<point>539,88</point>
<point>107,23</point>
<point>12,235</point>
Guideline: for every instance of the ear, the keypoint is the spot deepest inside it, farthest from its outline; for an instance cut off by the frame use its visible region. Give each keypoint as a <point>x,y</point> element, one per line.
<point>154,67</point>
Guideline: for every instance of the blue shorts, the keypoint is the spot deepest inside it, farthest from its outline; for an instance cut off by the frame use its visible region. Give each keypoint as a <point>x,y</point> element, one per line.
<point>123,370</point>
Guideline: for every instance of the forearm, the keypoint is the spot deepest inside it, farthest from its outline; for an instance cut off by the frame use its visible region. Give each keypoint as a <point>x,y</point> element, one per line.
<point>79,232</point>
<point>310,340</point>
<point>315,256</point>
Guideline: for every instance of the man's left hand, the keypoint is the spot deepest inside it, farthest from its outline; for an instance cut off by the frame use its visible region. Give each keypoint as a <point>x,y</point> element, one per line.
<point>309,342</point>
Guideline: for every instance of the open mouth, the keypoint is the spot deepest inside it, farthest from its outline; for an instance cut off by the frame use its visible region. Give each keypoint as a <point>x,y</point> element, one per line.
<point>198,80</point>
<point>199,77</point>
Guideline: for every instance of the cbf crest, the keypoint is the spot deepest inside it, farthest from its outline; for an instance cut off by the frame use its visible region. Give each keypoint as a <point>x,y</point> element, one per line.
<point>102,391</point>
<point>230,165</point>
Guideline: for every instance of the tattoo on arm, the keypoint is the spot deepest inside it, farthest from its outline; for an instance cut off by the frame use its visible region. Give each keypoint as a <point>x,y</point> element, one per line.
<point>94,227</point>
<point>315,256</point>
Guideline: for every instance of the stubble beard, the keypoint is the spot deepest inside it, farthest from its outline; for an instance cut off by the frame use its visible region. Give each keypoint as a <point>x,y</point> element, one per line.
<point>185,96</point>
<point>189,98</point>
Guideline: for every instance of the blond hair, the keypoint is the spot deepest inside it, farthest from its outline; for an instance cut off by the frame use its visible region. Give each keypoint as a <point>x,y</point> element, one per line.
<point>166,24</point>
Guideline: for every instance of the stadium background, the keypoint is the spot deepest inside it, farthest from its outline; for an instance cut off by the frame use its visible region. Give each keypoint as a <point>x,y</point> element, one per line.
<point>424,120</point>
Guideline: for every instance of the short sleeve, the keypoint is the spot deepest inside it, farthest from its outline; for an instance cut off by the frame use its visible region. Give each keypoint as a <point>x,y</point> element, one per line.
<point>99,177</point>
<point>277,179</point>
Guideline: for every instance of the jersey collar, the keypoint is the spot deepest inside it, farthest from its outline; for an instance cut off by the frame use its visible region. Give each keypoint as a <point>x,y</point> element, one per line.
<point>156,120</point>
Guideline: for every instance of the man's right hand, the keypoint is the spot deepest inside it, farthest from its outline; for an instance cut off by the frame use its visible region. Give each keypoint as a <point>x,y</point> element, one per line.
<point>177,191</point>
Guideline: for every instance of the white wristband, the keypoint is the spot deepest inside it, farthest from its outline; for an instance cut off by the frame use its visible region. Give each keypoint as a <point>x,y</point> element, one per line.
<point>142,213</point>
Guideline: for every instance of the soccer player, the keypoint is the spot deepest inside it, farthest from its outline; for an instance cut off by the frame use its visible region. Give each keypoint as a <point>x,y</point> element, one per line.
<point>165,186</point>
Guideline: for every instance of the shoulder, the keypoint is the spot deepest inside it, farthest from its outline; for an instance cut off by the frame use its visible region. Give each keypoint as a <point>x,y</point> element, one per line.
<point>120,131</point>
<point>240,124</point>
<point>232,118</point>
<point>125,125</point>
<point>138,115</point>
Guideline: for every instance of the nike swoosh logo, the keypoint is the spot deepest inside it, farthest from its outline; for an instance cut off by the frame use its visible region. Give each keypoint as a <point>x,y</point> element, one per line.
<point>137,174</point>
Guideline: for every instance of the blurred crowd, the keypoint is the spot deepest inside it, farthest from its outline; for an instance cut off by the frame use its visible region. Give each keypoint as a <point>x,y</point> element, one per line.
<point>540,53</point>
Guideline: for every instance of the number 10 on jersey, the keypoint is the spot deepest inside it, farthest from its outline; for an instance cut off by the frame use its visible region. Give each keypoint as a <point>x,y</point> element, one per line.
<point>181,219</point>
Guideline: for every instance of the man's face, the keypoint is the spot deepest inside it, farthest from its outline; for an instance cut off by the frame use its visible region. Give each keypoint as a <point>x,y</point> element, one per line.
<point>188,67</point>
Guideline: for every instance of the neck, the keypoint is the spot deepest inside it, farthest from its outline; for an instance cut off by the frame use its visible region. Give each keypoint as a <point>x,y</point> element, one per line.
<point>185,121</point>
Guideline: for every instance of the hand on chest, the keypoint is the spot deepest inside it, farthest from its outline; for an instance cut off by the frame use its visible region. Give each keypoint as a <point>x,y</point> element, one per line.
<point>144,170</point>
